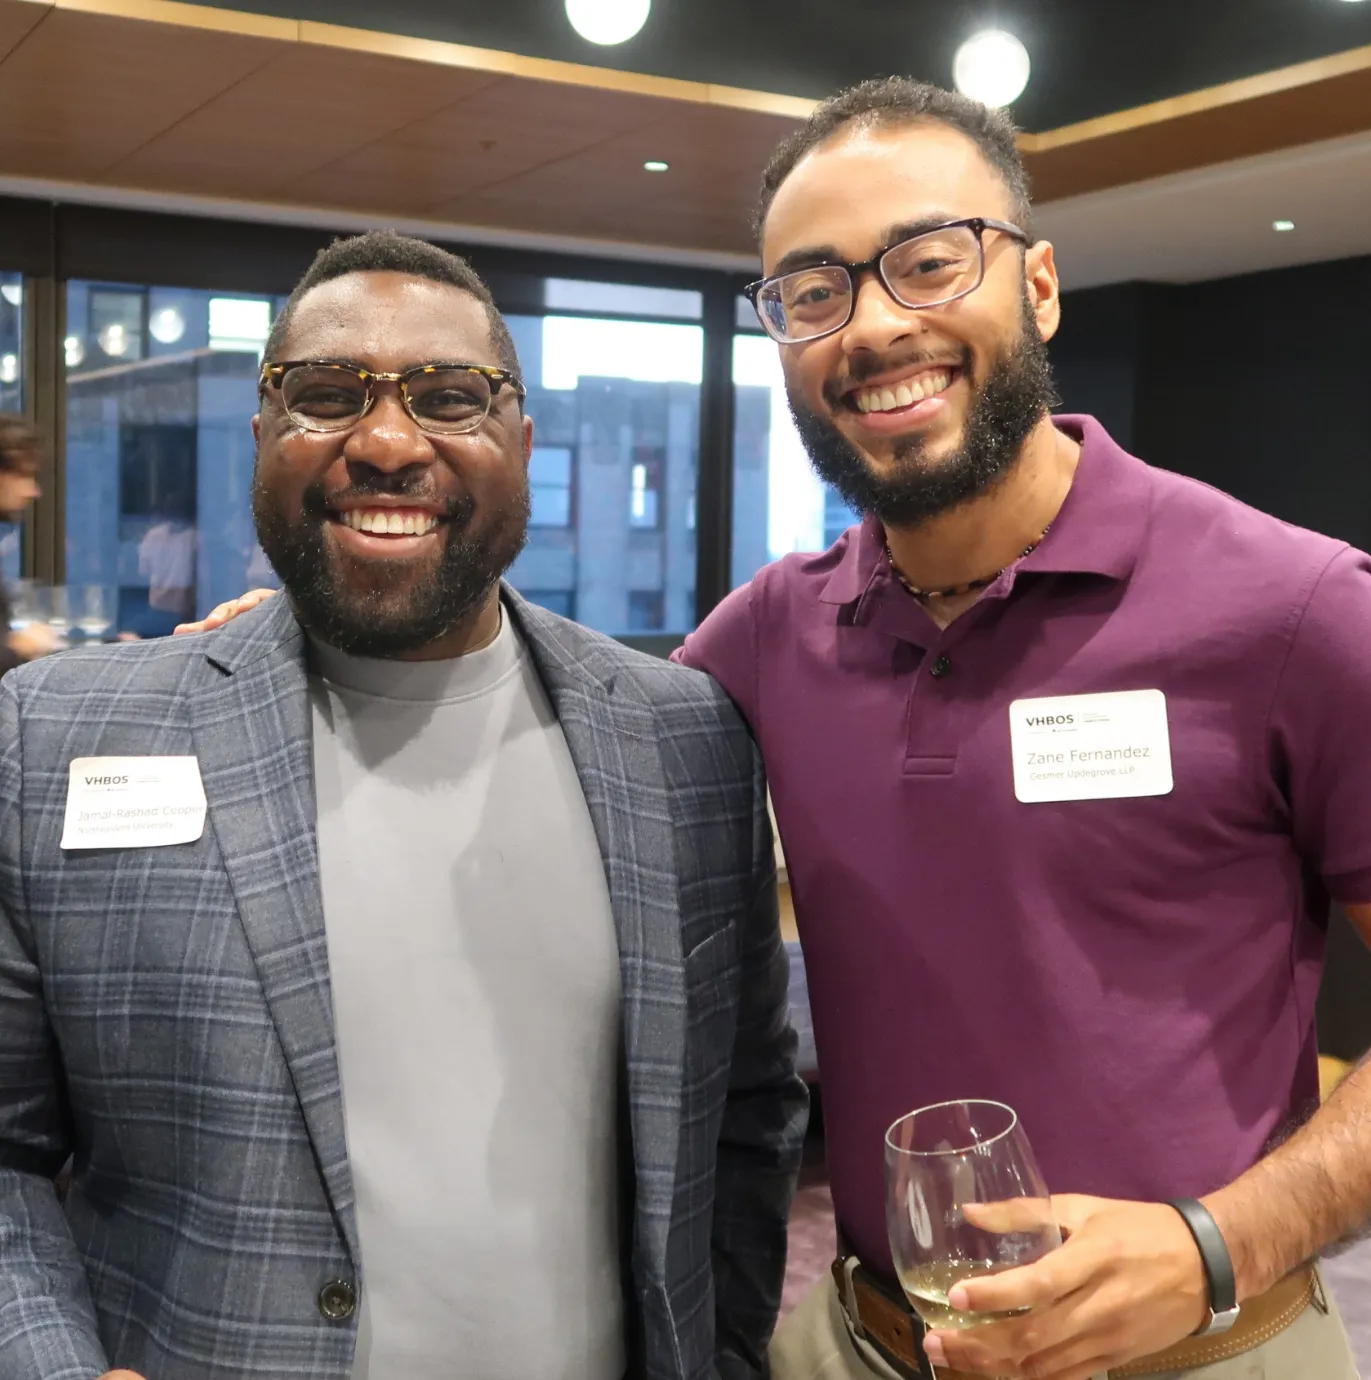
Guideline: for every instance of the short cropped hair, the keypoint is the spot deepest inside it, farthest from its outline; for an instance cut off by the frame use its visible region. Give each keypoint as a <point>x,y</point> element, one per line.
<point>888,103</point>
<point>386,251</point>
<point>21,445</point>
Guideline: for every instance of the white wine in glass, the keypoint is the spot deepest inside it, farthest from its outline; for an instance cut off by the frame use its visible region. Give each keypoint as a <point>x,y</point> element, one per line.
<point>964,1199</point>
<point>93,616</point>
<point>59,616</point>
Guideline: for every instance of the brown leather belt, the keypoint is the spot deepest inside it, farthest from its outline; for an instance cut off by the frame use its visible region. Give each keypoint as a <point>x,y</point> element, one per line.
<point>878,1313</point>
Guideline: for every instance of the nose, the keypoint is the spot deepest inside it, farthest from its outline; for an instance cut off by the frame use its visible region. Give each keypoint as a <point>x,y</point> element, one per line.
<point>878,320</point>
<point>388,438</point>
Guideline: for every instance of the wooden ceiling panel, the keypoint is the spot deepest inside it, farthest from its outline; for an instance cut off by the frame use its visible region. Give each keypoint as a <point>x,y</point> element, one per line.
<point>158,96</point>
<point>83,91</point>
<point>507,129</point>
<point>17,19</point>
<point>308,108</point>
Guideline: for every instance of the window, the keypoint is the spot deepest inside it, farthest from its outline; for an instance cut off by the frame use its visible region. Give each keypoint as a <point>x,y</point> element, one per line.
<point>161,384</point>
<point>11,400</point>
<point>560,601</point>
<point>622,299</point>
<point>645,488</point>
<point>646,610</point>
<point>779,503</point>
<point>549,478</point>
<point>615,406</point>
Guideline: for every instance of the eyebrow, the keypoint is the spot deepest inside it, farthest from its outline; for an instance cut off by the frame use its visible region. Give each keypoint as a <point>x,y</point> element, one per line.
<point>815,255</point>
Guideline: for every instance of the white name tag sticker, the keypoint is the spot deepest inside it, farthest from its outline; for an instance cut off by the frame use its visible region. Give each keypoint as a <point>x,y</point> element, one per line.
<point>1091,747</point>
<point>133,802</point>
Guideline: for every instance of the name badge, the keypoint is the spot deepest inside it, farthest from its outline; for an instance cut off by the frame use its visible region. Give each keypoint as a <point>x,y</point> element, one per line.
<point>133,802</point>
<point>1091,747</point>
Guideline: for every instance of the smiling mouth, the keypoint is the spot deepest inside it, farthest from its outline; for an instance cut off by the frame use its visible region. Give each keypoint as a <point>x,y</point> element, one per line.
<point>906,392</point>
<point>388,522</point>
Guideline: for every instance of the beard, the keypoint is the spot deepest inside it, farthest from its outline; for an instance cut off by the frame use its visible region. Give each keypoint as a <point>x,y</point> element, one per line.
<point>1016,393</point>
<point>391,609</point>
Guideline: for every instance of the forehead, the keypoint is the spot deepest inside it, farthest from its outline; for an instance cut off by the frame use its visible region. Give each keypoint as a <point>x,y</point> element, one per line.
<point>389,321</point>
<point>851,189</point>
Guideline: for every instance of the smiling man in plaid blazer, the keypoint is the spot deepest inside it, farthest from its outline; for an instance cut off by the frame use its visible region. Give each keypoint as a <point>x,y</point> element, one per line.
<point>455,1042</point>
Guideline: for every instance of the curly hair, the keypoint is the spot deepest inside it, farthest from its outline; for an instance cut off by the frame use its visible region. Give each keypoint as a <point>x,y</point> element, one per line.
<point>386,251</point>
<point>889,102</point>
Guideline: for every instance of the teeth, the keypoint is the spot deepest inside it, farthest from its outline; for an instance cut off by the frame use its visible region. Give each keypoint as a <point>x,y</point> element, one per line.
<point>903,394</point>
<point>389,524</point>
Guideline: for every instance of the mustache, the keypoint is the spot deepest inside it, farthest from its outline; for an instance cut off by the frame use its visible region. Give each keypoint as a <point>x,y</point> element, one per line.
<point>316,501</point>
<point>863,368</point>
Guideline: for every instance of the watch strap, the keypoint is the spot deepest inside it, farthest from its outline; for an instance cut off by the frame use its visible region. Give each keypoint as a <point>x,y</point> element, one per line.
<point>1218,1264</point>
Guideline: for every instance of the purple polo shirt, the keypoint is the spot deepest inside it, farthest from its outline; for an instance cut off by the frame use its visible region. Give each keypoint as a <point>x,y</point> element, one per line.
<point>1136,976</point>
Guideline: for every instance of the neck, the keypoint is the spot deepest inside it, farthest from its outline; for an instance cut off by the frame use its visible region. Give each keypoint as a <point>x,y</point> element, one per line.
<point>982,536</point>
<point>475,632</point>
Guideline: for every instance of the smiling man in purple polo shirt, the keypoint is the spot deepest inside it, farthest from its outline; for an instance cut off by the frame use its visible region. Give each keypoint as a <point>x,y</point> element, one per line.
<point>1109,913</point>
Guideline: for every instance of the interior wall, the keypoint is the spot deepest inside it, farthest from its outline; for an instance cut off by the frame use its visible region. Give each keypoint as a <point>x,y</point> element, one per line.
<point>1261,386</point>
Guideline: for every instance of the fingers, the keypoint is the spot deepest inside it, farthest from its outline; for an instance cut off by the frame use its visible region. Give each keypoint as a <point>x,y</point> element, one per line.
<point>1011,1214</point>
<point>1062,1341</point>
<point>1074,1210</point>
<point>215,618</point>
<point>227,611</point>
<point>1057,1274</point>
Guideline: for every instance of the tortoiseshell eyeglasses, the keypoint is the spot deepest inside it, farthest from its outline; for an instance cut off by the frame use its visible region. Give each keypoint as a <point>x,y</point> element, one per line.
<point>445,399</point>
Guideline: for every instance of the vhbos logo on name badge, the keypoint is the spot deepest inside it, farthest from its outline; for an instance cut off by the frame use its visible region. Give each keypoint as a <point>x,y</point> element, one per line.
<point>133,802</point>
<point>1091,747</point>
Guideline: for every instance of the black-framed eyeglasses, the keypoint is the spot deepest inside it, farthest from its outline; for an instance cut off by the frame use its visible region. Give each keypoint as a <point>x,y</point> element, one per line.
<point>446,399</point>
<point>930,269</point>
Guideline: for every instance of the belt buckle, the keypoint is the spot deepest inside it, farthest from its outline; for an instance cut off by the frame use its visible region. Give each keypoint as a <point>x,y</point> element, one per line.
<point>854,1315</point>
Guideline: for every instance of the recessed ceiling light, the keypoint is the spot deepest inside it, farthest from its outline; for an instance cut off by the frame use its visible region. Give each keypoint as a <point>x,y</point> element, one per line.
<point>656,165</point>
<point>1281,226</point>
<point>607,21</point>
<point>991,67</point>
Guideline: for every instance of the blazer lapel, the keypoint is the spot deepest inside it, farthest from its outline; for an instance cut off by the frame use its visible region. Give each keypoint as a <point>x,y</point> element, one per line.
<point>612,743</point>
<point>253,737</point>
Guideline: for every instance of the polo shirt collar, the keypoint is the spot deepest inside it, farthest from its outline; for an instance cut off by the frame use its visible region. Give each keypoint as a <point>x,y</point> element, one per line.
<point>1098,532</point>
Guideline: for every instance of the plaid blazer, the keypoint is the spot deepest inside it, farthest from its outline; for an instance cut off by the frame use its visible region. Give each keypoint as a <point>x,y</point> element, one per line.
<point>165,1018</point>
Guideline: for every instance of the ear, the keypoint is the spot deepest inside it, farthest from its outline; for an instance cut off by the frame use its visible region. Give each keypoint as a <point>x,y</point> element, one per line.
<point>1044,288</point>
<point>528,440</point>
<point>257,427</point>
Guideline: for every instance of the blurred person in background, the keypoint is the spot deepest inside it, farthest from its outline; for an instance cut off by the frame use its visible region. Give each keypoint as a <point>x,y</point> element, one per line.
<point>21,456</point>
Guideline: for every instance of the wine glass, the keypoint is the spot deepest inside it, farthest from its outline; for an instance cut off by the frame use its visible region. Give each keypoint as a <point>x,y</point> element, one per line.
<point>24,604</point>
<point>92,611</point>
<point>59,614</point>
<point>964,1198</point>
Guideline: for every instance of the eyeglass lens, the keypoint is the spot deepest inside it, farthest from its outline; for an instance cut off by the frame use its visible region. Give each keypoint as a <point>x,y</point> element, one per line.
<point>922,272</point>
<point>320,398</point>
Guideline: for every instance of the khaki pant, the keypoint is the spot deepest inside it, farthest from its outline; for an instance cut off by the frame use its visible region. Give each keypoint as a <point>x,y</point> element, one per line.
<point>815,1343</point>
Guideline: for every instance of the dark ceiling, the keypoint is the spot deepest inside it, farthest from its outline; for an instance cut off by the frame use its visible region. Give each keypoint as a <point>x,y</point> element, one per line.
<point>1090,57</point>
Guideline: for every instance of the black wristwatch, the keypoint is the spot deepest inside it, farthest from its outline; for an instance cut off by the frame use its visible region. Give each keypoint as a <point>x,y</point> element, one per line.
<point>1218,1266</point>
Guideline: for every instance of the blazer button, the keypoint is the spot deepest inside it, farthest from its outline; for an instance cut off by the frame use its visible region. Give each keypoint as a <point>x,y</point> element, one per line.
<point>337,1300</point>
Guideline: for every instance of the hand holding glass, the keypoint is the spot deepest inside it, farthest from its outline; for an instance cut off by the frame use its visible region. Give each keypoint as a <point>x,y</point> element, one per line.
<point>964,1198</point>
